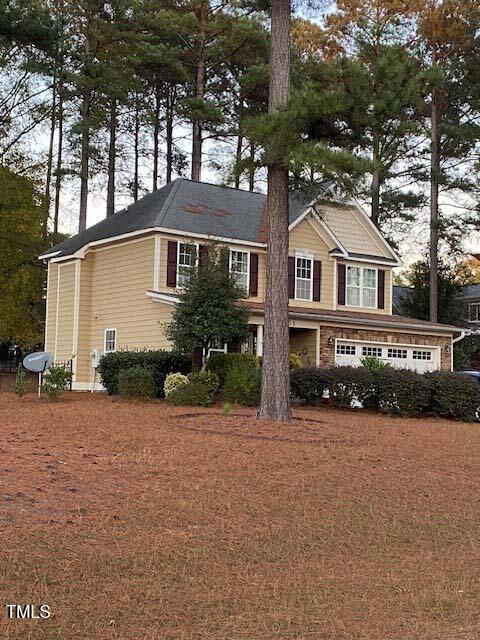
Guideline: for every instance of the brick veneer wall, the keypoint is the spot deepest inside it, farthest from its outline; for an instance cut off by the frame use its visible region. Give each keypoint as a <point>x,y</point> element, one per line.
<point>327,352</point>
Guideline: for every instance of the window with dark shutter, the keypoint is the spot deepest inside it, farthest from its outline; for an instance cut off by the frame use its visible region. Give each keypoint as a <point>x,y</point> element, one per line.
<point>381,289</point>
<point>172,264</point>
<point>291,277</point>
<point>341,283</point>
<point>317,280</point>
<point>253,284</point>
<point>203,254</point>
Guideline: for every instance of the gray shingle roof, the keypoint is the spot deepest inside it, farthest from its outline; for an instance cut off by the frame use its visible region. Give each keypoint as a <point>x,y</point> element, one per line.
<point>184,205</point>
<point>471,291</point>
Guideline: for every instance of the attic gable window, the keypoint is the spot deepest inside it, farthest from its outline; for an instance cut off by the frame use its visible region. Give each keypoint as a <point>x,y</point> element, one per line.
<point>239,268</point>
<point>361,287</point>
<point>187,259</point>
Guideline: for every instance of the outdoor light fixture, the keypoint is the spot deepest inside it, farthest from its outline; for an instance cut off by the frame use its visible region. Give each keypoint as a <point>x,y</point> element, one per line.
<point>447,348</point>
<point>330,341</point>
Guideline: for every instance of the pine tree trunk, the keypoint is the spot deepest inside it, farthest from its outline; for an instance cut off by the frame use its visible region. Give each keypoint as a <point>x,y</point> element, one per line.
<point>434,189</point>
<point>84,162</point>
<point>275,400</point>
<point>112,152</point>
<point>48,180</point>
<point>58,168</point>
<point>199,93</point>
<point>156,136</point>
<point>136,143</point>
<point>251,171</point>
<point>375,196</point>
<point>169,133</point>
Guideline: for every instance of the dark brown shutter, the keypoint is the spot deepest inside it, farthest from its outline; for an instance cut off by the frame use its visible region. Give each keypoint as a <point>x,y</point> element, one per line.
<point>253,284</point>
<point>341,282</point>
<point>225,259</point>
<point>203,254</point>
<point>317,279</point>
<point>381,289</point>
<point>172,264</point>
<point>291,277</point>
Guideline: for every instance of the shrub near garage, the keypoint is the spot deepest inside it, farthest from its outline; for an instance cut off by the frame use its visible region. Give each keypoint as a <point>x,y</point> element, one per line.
<point>159,362</point>
<point>136,382</point>
<point>348,385</point>
<point>310,383</point>
<point>402,392</point>
<point>453,395</point>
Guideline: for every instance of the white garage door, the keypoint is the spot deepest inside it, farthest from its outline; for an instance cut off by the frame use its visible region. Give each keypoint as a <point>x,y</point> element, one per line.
<point>419,358</point>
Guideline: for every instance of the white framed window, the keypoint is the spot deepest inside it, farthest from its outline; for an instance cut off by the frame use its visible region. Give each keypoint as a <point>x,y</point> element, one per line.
<point>421,355</point>
<point>361,287</point>
<point>346,350</point>
<point>239,267</point>
<point>303,278</point>
<point>186,261</point>
<point>474,312</point>
<point>110,342</point>
<point>397,353</point>
<point>372,352</point>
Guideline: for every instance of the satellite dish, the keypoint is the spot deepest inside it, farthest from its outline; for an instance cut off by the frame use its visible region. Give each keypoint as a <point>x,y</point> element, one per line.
<point>38,361</point>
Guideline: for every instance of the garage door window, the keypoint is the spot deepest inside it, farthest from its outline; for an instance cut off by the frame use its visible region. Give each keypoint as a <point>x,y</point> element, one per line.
<point>372,352</point>
<point>397,353</point>
<point>422,355</point>
<point>346,350</point>
<point>361,287</point>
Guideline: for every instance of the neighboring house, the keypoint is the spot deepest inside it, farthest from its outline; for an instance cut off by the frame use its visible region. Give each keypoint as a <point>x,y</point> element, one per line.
<point>471,297</point>
<point>114,285</point>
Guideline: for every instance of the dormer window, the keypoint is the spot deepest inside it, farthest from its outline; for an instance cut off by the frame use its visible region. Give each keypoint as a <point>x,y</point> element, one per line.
<point>186,261</point>
<point>239,268</point>
<point>303,278</point>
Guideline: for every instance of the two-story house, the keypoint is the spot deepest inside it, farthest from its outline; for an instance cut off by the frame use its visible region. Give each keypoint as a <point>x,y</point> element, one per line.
<point>114,285</point>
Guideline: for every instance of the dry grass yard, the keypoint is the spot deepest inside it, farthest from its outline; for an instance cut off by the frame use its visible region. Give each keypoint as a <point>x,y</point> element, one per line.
<point>143,522</point>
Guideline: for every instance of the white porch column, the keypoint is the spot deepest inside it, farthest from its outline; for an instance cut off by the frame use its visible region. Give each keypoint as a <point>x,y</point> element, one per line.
<point>259,339</point>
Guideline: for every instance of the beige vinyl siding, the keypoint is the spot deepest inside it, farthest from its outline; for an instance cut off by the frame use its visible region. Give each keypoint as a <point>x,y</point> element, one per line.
<point>51,312</point>
<point>354,234</point>
<point>304,236</point>
<point>65,311</point>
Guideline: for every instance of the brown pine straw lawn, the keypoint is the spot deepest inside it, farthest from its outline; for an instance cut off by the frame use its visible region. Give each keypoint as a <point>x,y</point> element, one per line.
<point>138,522</point>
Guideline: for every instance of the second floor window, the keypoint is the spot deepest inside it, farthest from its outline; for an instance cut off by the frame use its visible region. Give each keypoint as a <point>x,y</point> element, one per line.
<point>187,257</point>
<point>361,287</point>
<point>239,268</point>
<point>303,278</point>
<point>475,312</point>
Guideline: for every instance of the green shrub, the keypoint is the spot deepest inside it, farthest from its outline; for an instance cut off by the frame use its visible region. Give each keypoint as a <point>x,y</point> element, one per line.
<point>242,385</point>
<point>402,392</point>
<point>310,383</point>
<point>173,381</point>
<point>294,360</point>
<point>348,385</point>
<point>453,395</point>
<point>136,382</point>
<point>190,394</point>
<point>373,364</point>
<point>220,363</point>
<point>207,378</point>
<point>159,362</point>
<point>56,380</point>
<point>20,382</point>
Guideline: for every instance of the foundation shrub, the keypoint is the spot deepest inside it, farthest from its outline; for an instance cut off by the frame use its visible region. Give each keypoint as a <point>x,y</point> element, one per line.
<point>221,363</point>
<point>349,385</point>
<point>161,363</point>
<point>310,383</point>
<point>56,380</point>
<point>453,395</point>
<point>173,381</point>
<point>207,378</point>
<point>136,382</point>
<point>402,392</point>
<point>242,385</point>
<point>191,394</point>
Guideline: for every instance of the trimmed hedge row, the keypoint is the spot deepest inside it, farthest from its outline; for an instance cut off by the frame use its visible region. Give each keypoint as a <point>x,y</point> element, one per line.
<point>394,391</point>
<point>160,363</point>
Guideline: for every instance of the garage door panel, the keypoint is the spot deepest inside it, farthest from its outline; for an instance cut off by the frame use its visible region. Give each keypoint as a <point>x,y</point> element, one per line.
<point>418,358</point>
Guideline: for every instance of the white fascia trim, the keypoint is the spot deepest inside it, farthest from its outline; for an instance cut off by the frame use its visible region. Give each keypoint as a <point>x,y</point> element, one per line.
<point>377,233</point>
<point>162,297</point>
<point>371,260</point>
<point>45,256</point>
<point>172,232</point>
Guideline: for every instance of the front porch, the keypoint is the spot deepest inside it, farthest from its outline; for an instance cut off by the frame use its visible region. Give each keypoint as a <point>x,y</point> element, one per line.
<point>304,341</point>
